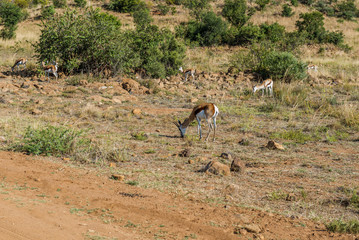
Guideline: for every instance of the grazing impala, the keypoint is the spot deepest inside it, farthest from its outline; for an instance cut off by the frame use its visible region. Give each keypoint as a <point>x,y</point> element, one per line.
<point>187,72</point>
<point>207,111</point>
<point>50,69</point>
<point>265,85</point>
<point>313,67</point>
<point>18,62</point>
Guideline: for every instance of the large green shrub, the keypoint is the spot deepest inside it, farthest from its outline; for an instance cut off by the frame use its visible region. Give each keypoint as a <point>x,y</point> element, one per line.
<point>311,25</point>
<point>207,31</point>
<point>273,32</point>
<point>158,52</point>
<point>262,4</point>
<point>91,42</point>
<point>235,11</point>
<point>10,16</point>
<point>270,63</point>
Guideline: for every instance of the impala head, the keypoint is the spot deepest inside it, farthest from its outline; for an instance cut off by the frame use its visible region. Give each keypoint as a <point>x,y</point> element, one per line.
<point>180,69</point>
<point>181,128</point>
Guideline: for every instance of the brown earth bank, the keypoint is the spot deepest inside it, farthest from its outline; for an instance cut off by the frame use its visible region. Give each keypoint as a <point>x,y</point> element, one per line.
<point>46,198</point>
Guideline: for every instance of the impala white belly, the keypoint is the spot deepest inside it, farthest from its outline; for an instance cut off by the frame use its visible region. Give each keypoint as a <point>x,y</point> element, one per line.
<point>201,115</point>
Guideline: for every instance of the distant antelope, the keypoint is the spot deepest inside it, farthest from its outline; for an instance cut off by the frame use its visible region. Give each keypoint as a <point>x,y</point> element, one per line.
<point>187,72</point>
<point>313,67</point>
<point>265,85</point>
<point>18,62</point>
<point>50,69</point>
<point>207,111</point>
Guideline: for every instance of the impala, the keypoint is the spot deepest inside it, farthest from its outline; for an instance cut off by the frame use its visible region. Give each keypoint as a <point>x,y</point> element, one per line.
<point>50,69</point>
<point>206,111</point>
<point>18,62</point>
<point>265,85</point>
<point>187,72</point>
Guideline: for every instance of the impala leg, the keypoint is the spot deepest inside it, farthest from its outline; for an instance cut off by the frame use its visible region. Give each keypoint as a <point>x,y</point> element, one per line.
<point>199,129</point>
<point>214,129</point>
<point>209,129</point>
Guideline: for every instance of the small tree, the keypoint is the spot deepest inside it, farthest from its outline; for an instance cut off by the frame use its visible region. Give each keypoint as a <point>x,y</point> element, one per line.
<point>262,4</point>
<point>124,6</point>
<point>10,16</point>
<point>311,25</point>
<point>197,6</point>
<point>235,11</point>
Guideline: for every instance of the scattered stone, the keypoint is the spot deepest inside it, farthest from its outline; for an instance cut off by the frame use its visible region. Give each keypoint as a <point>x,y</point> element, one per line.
<point>118,177</point>
<point>112,165</point>
<point>83,82</point>
<point>194,100</point>
<point>274,145</point>
<point>290,197</point>
<point>227,155</point>
<point>36,111</point>
<point>66,159</point>
<point>237,166</point>
<point>240,231</point>
<point>217,168</point>
<point>39,101</point>
<point>253,228</point>
<point>137,112</point>
<point>190,161</point>
<point>185,153</point>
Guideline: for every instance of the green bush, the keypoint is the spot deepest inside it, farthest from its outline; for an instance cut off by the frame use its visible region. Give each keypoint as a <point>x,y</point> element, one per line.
<point>207,31</point>
<point>270,63</point>
<point>91,42</point>
<point>249,33</point>
<point>59,3</point>
<point>311,25</point>
<point>163,8</point>
<point>287,11</point>
<point>347,10</point>
<point>235,11</point>
<point>307,2</point>
<point>47,12</point>
<point>80,3</point>
<point>262,4</point>
<point>340,226</point>
<point>22,3</point>
<point>10,16</point>
<point>50,141</point>
<point>336,38</point>
<point>273,32</point>
<point>196,6</point>
<point>124,6</point>
<point>294,3</point>
<point>325,8</point>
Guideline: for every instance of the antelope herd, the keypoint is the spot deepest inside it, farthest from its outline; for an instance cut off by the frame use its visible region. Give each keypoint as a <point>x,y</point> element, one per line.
<point>205,111</point>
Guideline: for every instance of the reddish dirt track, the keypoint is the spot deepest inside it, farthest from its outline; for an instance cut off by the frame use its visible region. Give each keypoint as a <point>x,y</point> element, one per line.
<point>42,198</point>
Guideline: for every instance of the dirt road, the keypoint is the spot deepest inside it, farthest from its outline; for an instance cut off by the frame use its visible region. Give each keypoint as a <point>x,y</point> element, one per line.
<point>42,198</point>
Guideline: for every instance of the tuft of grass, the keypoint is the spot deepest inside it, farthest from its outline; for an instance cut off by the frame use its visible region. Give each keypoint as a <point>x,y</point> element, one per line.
<point>340,226</point>
<point>295,135</point>
<point>141,136</point>
<point>50,140</point>
<point>132,183</point>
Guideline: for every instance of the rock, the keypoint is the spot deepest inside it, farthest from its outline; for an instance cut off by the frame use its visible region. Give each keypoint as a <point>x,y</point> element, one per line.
<point>36,111</point>
<point>66,159</point>
<point>290,197</point>
<point>112,165</point>
<point>274,146</point>
<point>194,100</point>
<point>227,155</point>
<point>137,112</point>
<point>217,168</point>
<point>39,101</point>
<point>83,82</point>
<point>237,166</point>
<point>185,153</point>
<point>253,228</point>
<point>118,177</point>
<point>190,161</point>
